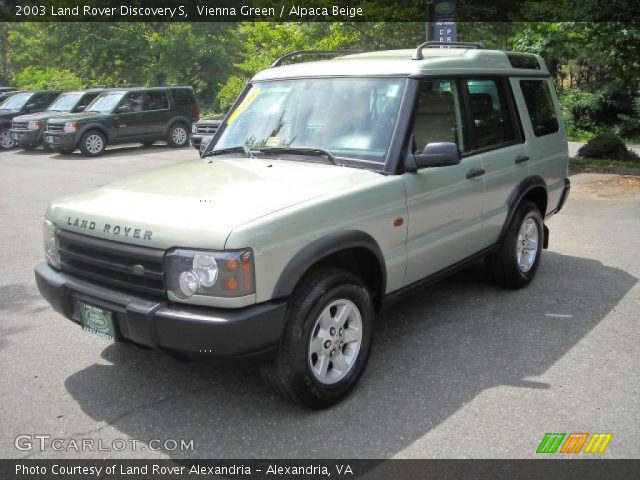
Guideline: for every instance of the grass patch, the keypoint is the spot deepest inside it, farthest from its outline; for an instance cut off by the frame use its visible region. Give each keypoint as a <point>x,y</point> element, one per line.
<point>602,163</point>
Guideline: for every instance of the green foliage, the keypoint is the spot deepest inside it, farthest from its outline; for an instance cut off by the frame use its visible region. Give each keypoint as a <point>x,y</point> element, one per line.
<point>595,65</point>
<point>607,146</point>
<point>580,108</point>
<point>34,78</point>
<point>230,91</point>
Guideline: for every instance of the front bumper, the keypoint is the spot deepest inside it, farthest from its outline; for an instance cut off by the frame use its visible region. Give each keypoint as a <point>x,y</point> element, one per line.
<point>60,140</point>
<point>26,137</point>
<point>183,330</point>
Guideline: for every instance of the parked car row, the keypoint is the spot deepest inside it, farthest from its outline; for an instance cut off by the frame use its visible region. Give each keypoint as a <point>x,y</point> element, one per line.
<point>90,120</point>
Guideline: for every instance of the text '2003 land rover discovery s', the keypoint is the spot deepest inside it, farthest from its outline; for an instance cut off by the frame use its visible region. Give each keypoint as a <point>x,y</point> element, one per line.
<point>330,188</point>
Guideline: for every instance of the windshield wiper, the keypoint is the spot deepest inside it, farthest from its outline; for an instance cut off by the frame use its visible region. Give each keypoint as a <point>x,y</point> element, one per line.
<point>238,148</point>
<point>316,152</point>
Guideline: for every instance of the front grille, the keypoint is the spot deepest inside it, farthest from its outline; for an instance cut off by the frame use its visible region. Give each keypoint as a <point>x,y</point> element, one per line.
<point>55,127</point>
<point>210,129</point>
<point>112,263</point>
<point>20,125</point>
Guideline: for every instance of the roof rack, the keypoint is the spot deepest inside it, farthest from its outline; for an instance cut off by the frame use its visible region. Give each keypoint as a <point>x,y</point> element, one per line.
<point>418,53</point>
<point>299,53</point>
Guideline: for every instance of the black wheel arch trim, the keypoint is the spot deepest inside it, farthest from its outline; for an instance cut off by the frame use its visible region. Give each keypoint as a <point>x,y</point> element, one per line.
<point>93,126</point>
<point>516,196</point>
<point>181,119</point>
<point>322,248</point>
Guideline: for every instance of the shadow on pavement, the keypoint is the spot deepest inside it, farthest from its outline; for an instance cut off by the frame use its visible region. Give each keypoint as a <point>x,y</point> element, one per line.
<point>119,151</point>
<point>433,353</point>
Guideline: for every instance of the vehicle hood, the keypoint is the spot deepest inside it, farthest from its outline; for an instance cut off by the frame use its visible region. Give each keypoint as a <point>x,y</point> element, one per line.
<point>37,116</point>
<point>197,204</point>
<point>78,117</point>
<point>8,114</point>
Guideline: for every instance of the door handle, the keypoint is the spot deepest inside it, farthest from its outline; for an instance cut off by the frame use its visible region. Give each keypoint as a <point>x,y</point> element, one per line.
<point>521,159</point>
<point>475,172</point>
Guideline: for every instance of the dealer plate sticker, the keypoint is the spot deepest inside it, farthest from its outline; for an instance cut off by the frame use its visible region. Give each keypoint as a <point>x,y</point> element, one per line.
<point>97,321</point>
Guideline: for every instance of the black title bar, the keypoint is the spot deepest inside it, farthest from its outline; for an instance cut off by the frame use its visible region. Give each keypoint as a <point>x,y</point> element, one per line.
<point>318,469</point>
<point>315,10</point>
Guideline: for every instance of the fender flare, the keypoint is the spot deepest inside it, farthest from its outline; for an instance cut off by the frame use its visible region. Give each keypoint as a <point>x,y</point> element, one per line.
<point>322,248</point>
<point>173,121</point>
<point>93,126</point>
<point>516,196</point>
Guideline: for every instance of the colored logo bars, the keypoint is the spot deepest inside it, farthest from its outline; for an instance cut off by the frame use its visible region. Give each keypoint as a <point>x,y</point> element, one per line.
<point>573,442</point>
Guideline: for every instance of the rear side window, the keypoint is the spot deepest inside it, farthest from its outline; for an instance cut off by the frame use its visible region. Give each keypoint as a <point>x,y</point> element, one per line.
<point>156,101</point>
<point>87,99</point>
<point>490,116</point>
<point>539,106</point>
<point>44,99</point>
<point>183,96</point>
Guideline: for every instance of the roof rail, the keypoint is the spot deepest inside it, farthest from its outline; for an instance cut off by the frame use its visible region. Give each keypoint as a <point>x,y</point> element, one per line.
<point>418,53</point>
<point>299,53</point>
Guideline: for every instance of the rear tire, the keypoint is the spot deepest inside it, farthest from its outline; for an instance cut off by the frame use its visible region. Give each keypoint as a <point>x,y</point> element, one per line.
<point>326,342</point>
<point>178,136</point>
<point>93,143</point>
<point>516,262</point>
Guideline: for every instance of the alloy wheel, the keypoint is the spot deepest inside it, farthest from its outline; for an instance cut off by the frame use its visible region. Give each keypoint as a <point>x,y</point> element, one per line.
<point>527,245</point>
<point>335,341</point>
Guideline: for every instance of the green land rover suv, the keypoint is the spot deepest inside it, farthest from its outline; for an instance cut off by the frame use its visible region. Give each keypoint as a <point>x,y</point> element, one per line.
<point>126,115</point>
<point>27,130</point>
<point>331,189</point>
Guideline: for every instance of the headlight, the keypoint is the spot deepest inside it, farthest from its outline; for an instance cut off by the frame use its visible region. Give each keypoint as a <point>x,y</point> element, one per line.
<point>50,240</point>
<point>214,274</point>
<point>194,129</point>
<point>34,125</point>
<point>70,127</point>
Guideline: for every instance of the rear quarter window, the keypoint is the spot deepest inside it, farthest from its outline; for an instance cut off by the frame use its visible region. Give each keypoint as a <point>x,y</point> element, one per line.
<point>183,96</point>
<point>540,108</point>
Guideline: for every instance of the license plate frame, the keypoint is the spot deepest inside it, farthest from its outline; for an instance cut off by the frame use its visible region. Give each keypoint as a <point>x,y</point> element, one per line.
<point>97,321</point>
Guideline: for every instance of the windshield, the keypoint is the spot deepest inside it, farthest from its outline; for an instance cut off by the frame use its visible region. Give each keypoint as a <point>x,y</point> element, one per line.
<point>65,103</point>
<point>16,102</point>
<point>105,103</point>
<point>351,118</point>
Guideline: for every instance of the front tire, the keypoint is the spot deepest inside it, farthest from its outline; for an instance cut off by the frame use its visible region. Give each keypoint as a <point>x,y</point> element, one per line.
<point>93,143</point>
<point>6,142</point>
<point>178,136</point>
<point>326,342</point>
<point>516,262</point>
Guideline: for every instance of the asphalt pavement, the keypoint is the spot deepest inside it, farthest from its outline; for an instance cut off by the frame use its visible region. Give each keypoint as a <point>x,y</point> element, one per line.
<point>463,369</point>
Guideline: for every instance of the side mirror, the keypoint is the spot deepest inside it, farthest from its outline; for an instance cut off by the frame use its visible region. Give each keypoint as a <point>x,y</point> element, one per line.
<point>30,107</point>
<point>440,154</point>
<point>123,109</point>
<point>204,143</point>
<point>80,108</point>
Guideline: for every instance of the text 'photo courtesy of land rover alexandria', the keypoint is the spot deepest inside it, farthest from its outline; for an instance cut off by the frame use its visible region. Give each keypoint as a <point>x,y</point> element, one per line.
<point>126,115</point>
<point>27,130</point>
<point>330,189</point>
<point>20,103</point>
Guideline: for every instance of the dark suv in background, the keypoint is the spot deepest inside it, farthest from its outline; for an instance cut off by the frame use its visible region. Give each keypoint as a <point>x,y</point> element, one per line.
<point>126,115</point>
<point>18,104</point>
<point>27,130</point>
